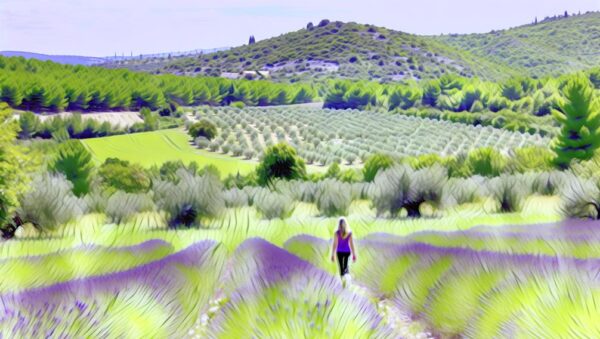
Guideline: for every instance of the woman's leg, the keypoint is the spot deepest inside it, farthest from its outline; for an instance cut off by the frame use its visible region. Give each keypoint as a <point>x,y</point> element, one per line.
<point>340,262</point>
<point>343,261</point>
<point>346,256</point>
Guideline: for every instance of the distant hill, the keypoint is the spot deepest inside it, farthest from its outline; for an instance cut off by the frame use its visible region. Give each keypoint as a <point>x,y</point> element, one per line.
<point>553,46</point>
<point>333,49</point>
<point>61,59</point>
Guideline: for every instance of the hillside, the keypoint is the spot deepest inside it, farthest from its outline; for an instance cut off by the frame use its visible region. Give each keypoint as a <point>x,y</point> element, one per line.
<point>551,47</point>
<point>329,49</point>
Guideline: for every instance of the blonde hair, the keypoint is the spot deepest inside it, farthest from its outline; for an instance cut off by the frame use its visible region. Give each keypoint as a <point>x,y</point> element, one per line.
<point>346,227</point>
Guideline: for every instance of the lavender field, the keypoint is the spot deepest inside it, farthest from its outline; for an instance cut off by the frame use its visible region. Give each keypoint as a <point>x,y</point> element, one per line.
<point>474,281</point>
<point>307,169</point>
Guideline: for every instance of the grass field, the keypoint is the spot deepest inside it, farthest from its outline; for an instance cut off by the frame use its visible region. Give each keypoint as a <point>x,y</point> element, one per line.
<point>155,148</point>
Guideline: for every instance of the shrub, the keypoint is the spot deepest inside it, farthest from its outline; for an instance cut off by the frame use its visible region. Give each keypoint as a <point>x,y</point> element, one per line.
<point>333,198</point>
<point>509,191</point>
<point>486,162</point>
<point>547,183</point>
<point>272,205</point>
<point>203,128</point>
<point>169,170</point>
<point>202,142</point>
<point>333,171</point>
<point>458,191</point>
<point>75,162</point>
<point>191,199</point>
<point>235,197</point>
<point>529,159</point>
<point>280,162</point>
<point>374,164</point>
<point>580,198</point>
<point>120,175</point>
<point>400,187</point>
<point>50,202</point>
<point>249,154</point>
<point>121,206</point>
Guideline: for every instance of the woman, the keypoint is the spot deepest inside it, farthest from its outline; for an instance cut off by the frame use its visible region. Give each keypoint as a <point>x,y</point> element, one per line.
<point>343,246</point>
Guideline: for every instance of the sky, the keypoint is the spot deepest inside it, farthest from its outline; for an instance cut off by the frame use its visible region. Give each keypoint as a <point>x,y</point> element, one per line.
<point>106,27</point>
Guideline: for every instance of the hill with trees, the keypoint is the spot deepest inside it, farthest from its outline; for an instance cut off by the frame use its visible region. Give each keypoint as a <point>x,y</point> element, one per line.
<point>333,49</point>
<point>553,46</point>
<point>548,47</point>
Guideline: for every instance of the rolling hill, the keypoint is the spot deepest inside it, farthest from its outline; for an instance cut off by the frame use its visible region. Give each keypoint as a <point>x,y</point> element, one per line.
<point>551,47</point>
<point>329,49</point>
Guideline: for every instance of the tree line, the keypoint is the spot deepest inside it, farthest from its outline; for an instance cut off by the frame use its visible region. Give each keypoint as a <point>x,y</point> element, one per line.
<point>35,85</point>
<point>516,104</point>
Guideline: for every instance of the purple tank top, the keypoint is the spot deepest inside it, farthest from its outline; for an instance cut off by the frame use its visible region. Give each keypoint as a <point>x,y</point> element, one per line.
<point>343,243</point>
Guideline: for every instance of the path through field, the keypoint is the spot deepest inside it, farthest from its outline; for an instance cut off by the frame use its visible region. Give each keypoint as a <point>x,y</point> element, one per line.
<point>399,320</point>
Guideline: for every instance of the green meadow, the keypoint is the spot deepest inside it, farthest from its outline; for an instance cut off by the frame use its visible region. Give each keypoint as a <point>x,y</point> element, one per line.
<point>155,148</point>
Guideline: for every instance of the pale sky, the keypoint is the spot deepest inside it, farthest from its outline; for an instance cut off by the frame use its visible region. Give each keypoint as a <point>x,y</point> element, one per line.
<point>103,27</point>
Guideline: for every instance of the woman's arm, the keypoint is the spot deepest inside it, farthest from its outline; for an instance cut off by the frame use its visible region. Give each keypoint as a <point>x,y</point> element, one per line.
<point>335,243</point>
<point>352,248</point>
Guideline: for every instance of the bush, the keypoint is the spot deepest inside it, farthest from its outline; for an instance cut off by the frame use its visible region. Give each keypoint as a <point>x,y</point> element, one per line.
<point>169,170</point>
<point>509,191</point>
<point>235,197</point>
<point>50,202</point>
<point>580,198</point>
<point>121,206</point>
<point>458,191</point>
<point>531,159</point>
<point>75,162</point>
<point>202,142</point>
<point>203,128</point>
<point>191,199</point>
<point>486,162</point>
<point>120,175</point>
<point>333,198</point>
<point>400,187</point>
<point>280,162</point>
<point>374,164</point>
<point>273,205</point>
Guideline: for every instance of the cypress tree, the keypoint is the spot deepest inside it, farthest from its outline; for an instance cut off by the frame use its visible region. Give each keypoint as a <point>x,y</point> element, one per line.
<point>579,116</point>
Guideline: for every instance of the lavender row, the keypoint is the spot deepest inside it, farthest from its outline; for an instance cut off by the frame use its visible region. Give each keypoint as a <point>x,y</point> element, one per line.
<point>276,294</point>
<point>108,306</point>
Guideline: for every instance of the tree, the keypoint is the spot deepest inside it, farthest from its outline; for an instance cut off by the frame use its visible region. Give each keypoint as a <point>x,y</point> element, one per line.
<point>120,175</point>
<point>374,164</point>
<point>579,117</point>
<point>150,119</point>
<point>252,40</point>
<point>310,26</point>
<point>13,177</point>
<point>75,162</point>
<point>29,124</point>
<point>203,128</point>
<point>280,162</point>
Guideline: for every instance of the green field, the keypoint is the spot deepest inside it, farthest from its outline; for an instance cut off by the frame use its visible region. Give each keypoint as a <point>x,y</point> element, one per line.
<point>155,148</point>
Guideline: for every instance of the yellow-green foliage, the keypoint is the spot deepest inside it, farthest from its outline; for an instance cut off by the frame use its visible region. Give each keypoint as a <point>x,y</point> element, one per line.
<point>27,272</point>
<point>13,169</point>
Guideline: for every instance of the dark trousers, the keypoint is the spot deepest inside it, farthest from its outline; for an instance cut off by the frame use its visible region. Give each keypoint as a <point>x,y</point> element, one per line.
<point>343,261</point>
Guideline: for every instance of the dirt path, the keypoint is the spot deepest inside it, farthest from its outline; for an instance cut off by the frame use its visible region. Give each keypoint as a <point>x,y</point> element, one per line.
<point>399,320</point>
